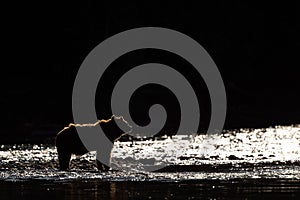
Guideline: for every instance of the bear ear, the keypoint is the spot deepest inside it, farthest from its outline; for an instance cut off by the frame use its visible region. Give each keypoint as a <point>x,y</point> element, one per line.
<point>71,124</point>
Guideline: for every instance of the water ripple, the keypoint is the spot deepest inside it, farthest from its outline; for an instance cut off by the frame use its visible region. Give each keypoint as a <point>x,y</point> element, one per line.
<point>259,153</point>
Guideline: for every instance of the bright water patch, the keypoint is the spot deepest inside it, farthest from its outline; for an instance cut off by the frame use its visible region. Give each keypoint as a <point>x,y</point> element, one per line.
<point>259,153</point>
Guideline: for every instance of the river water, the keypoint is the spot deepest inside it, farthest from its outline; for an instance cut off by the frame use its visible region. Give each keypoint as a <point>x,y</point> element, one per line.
<point>246,163</point>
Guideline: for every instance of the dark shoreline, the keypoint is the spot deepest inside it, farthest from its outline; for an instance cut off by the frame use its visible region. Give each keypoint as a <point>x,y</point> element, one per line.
<point>48,136</point>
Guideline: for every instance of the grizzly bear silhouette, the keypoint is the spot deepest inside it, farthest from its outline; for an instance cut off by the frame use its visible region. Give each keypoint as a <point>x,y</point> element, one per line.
<point>68,142</point>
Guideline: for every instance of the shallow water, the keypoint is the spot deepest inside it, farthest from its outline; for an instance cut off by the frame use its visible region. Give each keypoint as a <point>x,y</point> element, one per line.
<point>259,161</point>
<point>202,189</point>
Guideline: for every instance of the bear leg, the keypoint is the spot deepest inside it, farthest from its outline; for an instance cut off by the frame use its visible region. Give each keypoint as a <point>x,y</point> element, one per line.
<point>64,159</point>
<point>102,167</point>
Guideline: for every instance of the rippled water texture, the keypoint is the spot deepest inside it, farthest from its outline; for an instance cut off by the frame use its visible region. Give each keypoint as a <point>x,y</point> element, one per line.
<point>259,153</point>
<point>244,164</point>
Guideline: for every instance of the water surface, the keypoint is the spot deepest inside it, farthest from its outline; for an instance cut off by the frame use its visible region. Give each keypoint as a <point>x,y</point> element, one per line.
<point>233,164</point>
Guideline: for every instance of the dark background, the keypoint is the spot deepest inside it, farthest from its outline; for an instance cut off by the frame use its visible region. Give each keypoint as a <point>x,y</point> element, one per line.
<point>255,46</point>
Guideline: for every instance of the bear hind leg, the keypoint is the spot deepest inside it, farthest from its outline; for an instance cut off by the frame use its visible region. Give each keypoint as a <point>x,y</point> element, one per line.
<point>64,160</point>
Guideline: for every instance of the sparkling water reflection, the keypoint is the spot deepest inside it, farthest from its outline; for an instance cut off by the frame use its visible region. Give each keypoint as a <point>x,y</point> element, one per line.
<point>243,164</point>
<point>258,153</point>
